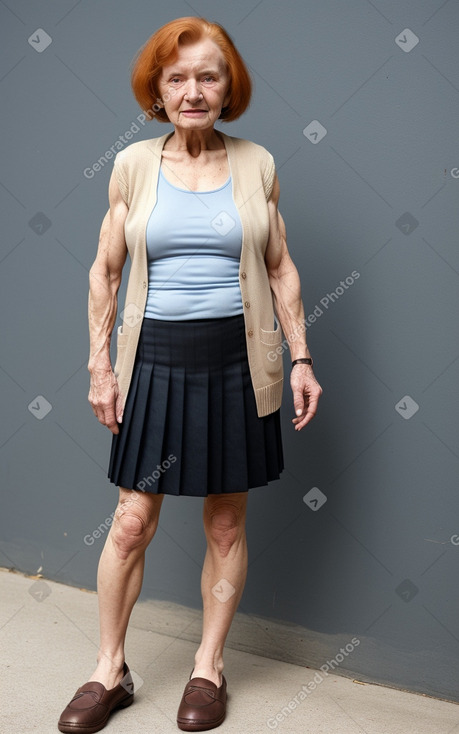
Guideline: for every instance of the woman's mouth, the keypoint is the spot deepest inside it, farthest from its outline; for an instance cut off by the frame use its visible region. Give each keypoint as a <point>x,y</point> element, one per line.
<point>193,113</point>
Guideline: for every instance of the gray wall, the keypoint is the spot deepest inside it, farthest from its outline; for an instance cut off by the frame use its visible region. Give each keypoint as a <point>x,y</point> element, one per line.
<point>377,194</point>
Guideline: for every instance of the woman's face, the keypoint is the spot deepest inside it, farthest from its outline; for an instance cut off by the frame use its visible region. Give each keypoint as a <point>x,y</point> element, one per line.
<point>194,88</point>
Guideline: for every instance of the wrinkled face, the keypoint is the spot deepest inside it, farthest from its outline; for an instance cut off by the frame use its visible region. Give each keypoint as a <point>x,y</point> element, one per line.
<point>195,87</point>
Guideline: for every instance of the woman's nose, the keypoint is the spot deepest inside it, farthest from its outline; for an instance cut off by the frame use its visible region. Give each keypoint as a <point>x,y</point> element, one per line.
<point>193,93</point>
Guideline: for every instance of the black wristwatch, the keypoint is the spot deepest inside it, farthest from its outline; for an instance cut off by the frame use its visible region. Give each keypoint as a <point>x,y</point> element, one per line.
<point>303,360</point>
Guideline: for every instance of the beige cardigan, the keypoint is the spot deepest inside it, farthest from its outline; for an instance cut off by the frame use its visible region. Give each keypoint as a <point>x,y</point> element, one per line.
<point>252,169</point>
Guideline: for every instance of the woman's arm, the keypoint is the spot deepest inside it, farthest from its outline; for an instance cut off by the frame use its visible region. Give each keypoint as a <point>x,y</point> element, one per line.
<point>285,285</point>
<point>104,282</point>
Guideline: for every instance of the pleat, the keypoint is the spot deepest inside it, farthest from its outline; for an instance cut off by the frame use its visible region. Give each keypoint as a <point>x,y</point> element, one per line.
<point>173,433</point>
<point>235,469</point>
<point>195,427</point>
<point>255,446</point>
<point>215,419</point>
<point>134,428</point>
<point>273,446</point>
<point>151,436</point>
<point>122,460</point>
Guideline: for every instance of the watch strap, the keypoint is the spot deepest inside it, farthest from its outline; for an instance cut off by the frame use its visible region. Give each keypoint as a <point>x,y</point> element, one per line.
<point>302,360</point>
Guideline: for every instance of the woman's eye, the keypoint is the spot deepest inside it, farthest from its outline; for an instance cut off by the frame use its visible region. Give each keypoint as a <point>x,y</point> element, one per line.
<point>209,79</point>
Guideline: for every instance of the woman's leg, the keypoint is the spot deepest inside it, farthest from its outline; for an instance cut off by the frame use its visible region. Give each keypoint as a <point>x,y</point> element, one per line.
<point>120,575</point>
<point>223,578</point>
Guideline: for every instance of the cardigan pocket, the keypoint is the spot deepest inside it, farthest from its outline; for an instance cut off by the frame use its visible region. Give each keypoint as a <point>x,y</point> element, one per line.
<point>272,348</point>
<point>271,337</point>
<point>121,343</point>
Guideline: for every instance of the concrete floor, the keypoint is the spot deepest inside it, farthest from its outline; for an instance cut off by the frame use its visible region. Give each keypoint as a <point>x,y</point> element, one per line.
<point>49,637</point>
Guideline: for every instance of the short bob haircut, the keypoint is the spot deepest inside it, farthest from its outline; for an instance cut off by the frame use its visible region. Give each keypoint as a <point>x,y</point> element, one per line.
<point>161,49</point>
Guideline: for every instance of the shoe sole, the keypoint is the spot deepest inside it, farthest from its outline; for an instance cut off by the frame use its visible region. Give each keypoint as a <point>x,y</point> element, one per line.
<point>78,729</point>
<point>185,725</point>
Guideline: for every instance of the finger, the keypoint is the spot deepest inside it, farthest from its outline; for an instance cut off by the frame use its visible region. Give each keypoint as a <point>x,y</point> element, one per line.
<point>299,422</point>
<point>110,421</point>
<point>299,426</point>
<point>308,414</point>
<point>93,406</point>
<point>298,402</point>
<point>312,408</point>
<point>302,421</point>
<point>98,413</point>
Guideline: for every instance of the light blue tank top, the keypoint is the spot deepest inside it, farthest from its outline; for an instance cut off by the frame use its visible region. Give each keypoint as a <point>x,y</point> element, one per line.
<point>194,241</point>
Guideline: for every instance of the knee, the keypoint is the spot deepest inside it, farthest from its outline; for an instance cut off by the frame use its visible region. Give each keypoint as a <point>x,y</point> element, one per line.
<point>224,527</point>
<point>130,531</point>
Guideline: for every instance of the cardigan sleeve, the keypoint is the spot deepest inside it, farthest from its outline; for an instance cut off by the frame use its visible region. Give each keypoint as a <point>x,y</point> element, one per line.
<point>121,177</point>
<point>268,175</point>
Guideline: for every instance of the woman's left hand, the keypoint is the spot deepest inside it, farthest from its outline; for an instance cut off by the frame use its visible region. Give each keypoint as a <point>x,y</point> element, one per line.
<point>306,393</point>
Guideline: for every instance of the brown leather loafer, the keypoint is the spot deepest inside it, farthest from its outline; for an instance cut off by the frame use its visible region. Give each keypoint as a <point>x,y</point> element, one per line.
<point>91,706</point>
<point>203,705</point>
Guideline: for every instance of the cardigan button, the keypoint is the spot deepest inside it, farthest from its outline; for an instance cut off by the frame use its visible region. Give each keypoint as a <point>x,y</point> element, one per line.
<point>250,332</point>
<point>144,284</point>
<point>244,275</point>
<point>247,304</point>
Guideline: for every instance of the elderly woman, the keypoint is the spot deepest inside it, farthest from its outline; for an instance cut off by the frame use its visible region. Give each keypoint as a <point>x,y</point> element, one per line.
<point>193,399</point>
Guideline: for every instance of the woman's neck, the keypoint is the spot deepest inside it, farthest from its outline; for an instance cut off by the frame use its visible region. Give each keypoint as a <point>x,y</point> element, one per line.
<point>194,141</point>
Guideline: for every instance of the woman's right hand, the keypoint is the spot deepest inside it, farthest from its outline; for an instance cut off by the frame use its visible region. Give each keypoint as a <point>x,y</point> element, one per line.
<point>105,398</point>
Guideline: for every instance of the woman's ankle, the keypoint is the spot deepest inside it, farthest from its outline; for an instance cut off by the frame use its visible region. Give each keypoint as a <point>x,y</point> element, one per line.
<point>209,669</point>
<point>114,660</point>
<point>110,663</point>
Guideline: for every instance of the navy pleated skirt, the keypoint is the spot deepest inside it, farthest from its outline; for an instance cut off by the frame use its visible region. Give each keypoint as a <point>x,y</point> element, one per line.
<point>190,424</point>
